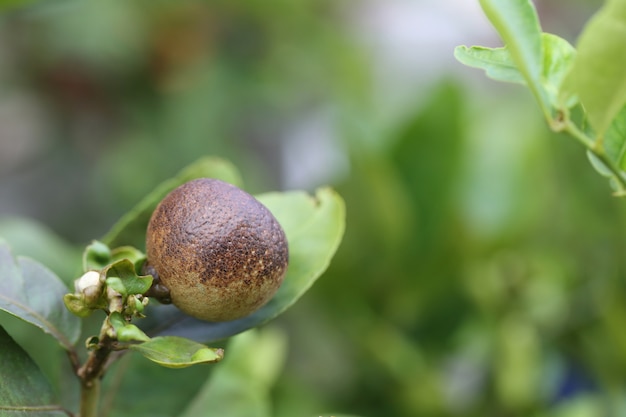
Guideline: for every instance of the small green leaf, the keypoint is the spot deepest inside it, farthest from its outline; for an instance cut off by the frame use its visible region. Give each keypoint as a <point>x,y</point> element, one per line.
<point>24,391</point>
<point>558,60</point>
<point>615,140</point>
<point>131,253</point>
<point>518,25</point>
<point>598,165</point>
<point>598,75</point>
<point>496,62</point>
<point>115,283</point>
<point>97,255</point>
<point>126,332</point>
<point>131,333</point>
<point>33,293</point>
<point>177,352</point>
<point>314,227</point>
<point>614,146</point>
<point>131,228</point>
<point>132,283</point>
<point>76,304</point>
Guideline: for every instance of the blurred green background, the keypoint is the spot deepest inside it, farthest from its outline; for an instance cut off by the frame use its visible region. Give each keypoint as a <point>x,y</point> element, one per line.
<point>482,271</point>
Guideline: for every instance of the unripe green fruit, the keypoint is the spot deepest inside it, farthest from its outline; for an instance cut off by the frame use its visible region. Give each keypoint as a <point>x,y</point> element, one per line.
<point>218,250</point>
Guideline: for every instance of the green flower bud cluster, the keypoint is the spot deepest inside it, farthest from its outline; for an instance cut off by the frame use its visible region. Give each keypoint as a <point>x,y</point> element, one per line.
<point>111,283</point>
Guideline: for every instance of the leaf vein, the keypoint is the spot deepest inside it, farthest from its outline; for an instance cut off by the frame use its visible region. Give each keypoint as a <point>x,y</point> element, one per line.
<point>44,324</point>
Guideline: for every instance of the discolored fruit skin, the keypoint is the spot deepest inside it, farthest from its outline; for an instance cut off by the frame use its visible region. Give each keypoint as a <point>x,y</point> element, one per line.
<point>218,250</point>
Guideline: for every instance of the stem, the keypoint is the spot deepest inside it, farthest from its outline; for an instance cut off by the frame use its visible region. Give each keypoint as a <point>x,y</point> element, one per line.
<point>596,147</point>
<point>579,135</point>
<point>89,397</point>
<point>91,372</point>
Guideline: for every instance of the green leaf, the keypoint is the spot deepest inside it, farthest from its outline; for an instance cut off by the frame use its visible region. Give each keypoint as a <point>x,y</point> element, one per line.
<point>131,228</point>
<point>314,227</point>
<point>496,62</point>
<point>76,304</point>
<point>240,386</point>
<point>598,75</point>
<point>126,332</point>
<point>598,165</point>
<point>116,284</point>
<point>97,255</point>
<point>24,391</point>
<point>30,238</point>
<point>131,253</point>
<point>518,25</point>
<point>177,352</point>
<point>34,294</point>
<point>558,60</point>
<point>615,140</point>
<point>125,270</point>
<point>133,377</point>
<point>614,146</point>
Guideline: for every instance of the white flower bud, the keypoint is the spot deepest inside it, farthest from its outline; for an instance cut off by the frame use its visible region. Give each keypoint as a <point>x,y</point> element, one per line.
<point>90,278</point>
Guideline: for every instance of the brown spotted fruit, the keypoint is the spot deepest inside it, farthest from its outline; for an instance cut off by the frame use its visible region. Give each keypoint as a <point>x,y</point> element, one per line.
<point>219,251</point>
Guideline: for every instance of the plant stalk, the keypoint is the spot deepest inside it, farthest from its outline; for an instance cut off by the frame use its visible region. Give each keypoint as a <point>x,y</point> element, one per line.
<point>92,370</point>
<point>89,398</point>
<point>597,149</point>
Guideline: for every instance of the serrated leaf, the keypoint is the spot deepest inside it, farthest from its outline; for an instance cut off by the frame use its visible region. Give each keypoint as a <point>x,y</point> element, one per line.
<point>496,62</point>
<point>130,230</point>
<point>33,293</point>
<point>598,75</point>
<point>24,391</point>
<point>314,227</point>
<point>177,352</point>
<point>518,25</point>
